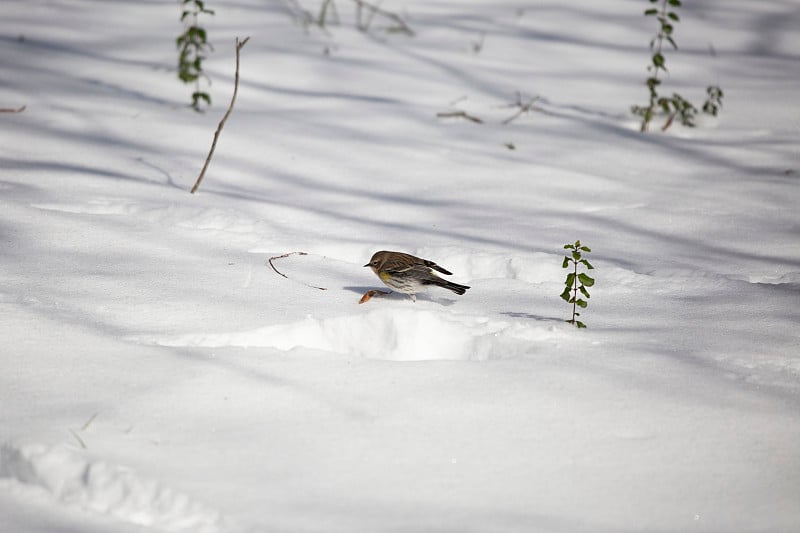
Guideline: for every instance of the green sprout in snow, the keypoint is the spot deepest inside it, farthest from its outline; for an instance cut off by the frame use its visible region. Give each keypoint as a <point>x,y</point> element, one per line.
<point>576,282</point>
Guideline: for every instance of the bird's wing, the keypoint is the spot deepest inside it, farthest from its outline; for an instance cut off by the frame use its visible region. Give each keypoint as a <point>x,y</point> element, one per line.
<point>431,264</point>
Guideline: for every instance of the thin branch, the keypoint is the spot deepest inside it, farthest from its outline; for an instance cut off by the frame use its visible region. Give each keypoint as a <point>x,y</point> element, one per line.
<point>524,107</point>
<point>239,46</point>
<point>12,110</point>
<point>79,439</point>
<point>459,114</point>
<point>284,275</point>
<point>323,13</point>
<point>88,423</point>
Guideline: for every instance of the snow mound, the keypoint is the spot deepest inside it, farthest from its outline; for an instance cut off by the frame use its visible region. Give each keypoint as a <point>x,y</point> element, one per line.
<point>102,488</point>
<point>789,278</point>
<point>389,334</point>
<point>471,265</point>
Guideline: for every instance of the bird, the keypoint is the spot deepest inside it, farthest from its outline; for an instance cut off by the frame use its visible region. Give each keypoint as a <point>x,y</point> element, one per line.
<point>409,274</point>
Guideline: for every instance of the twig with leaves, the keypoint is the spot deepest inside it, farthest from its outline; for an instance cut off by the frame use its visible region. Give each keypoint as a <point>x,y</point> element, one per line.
<point>239,46</point>
<point>576,281</point>
<point>675,106</point>
<point>193,45</point>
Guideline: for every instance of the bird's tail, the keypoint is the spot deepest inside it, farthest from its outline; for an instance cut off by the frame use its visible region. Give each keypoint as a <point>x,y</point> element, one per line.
<point>449,285</point>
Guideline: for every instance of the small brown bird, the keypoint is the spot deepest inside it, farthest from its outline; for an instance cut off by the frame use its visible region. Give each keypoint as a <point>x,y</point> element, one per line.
<point>408,274</point>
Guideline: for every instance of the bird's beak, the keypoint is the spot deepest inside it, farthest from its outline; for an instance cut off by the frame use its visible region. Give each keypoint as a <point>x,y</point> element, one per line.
<point>366,265</point>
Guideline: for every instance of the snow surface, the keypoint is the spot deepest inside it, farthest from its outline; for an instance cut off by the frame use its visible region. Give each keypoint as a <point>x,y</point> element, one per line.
<point>158,375</point>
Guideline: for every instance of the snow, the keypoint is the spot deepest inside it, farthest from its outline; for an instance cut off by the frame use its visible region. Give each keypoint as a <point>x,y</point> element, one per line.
<point>159,375</point>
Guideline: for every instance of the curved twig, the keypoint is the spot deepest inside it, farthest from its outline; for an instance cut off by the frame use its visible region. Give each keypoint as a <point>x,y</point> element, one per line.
<point>287,277</point>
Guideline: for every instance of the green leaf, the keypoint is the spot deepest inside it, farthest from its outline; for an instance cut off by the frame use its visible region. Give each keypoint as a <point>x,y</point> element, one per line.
<point>565,295</point>
<point>653,82</point>
<point>584,291</point>
<point>652,11</point>
<point>576,255</point>
<point>565,264</point>
<point>587,264</point>
<point>585,249</point>
<point>580,324</point>
<point>569,247</point>
<point>570,281</point>
<point>673,16</point>
<point>585,280</point>
<point>202,96</point>
<point>671,41</point>
<point>658,60</point>
<point>581,303</point>
<point>676,3</point>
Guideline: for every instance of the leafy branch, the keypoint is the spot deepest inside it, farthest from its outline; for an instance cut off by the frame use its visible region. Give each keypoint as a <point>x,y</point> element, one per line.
<point>193,46</point>
<point>576,282</point>
<point>675,106</point>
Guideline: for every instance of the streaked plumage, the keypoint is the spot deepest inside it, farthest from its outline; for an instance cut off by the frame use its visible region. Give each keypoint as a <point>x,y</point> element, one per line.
<point>409,274</point>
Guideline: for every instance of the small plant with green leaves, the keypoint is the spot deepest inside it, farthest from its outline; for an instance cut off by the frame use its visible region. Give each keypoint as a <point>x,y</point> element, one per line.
<point>193,48</point>
<point>713,100</point>
<point>675,106</point>
<point>577,282</point>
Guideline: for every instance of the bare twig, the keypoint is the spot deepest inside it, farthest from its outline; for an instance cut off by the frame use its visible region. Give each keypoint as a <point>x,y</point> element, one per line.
<point>12,110</point>
<point>523,107</point>
<point>323,13</point>
<point>401,26</point>
<point>271,259</point>
<point>459,114</point>
<point>78,438</point>
<point>88,423</point>
<point>239,46</point>
<point>668,123</point>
